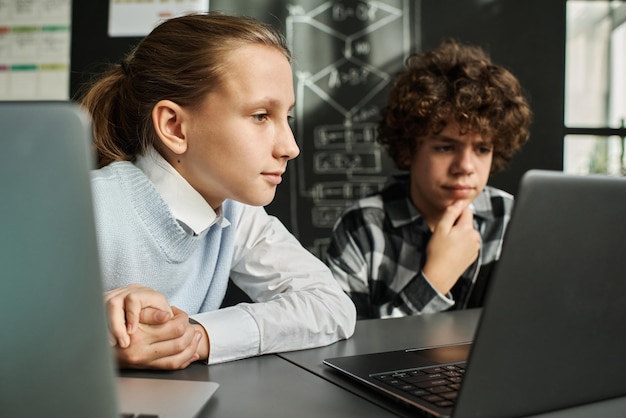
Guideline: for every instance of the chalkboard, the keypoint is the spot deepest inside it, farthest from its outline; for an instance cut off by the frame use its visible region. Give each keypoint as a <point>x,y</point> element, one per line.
<point>345,56</point>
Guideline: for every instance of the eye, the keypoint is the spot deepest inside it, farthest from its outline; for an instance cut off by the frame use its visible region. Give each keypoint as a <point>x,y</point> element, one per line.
<point>443,148</point>
<point>485,150</point>
<point>260,117</point>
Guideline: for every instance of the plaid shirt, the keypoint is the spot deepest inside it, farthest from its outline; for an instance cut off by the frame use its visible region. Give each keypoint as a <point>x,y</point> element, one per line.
<point>378,250</point>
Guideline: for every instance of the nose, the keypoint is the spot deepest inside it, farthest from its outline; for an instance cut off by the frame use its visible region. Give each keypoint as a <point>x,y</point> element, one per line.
<point>464,161</point>
<point>286,146</point>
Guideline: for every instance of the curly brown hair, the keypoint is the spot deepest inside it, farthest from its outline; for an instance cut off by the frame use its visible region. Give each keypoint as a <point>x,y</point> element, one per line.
<point>454,82</point>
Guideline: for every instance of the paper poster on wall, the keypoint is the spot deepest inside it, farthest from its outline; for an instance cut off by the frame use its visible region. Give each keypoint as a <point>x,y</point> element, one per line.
<point>35,40</point>
<point>136,18</point>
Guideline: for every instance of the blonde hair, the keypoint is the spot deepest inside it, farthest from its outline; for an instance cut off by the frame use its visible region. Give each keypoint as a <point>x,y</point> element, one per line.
<point>180,60</point>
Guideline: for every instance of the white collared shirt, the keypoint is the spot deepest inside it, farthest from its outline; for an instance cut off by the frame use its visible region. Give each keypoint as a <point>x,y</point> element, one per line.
<point>188,206</point>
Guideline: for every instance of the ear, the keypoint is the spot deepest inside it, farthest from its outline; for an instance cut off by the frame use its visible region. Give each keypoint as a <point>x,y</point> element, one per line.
<point>168,118</point>
<point>406,157</point>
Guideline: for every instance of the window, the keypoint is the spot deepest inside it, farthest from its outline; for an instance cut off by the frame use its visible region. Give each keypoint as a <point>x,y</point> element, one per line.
<point>595,87</point>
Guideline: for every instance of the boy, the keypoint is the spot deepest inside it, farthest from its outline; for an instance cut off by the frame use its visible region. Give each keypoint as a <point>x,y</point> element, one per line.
<point>428,240</point>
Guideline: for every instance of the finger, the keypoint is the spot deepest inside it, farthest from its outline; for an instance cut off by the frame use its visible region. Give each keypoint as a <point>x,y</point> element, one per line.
<point>154,316</point>
<point>450,216</point>
<point>132,310</point>
<point>466,217</point>
<point>172,329</point>
<point>135,301</point>
<point>114,300</point>
<point>176,327</point>
<point>120,291</point>
<point>162,354</point>
<point>117,322</point>
<point>177,311</point>
<point>180,359</point>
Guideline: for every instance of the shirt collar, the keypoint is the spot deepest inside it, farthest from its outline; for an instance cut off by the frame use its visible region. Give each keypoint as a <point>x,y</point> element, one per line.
<point>187,205</point>
<point>482,205</point>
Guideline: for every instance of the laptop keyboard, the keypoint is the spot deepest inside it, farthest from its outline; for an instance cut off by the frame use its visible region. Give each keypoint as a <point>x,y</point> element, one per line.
<point>437,385</point>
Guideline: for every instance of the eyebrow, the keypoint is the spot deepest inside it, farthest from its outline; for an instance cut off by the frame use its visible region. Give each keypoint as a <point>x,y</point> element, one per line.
<point>269,101</point>
<point>444,138</point>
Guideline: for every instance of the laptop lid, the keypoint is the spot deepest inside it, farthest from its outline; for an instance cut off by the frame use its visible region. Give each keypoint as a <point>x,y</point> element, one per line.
<point>56,358</point>
<point>550,332</point>
<point>555,311</point>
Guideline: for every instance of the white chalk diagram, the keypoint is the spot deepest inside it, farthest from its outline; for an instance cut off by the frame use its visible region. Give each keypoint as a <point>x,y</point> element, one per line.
<point>345,53</point>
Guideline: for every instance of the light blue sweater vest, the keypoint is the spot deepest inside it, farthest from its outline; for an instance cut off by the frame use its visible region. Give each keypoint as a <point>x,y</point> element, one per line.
<point>141,242</point>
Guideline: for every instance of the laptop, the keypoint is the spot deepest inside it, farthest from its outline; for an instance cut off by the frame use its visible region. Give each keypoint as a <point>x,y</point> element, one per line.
<point>56,359</point>
<point>551,333</point>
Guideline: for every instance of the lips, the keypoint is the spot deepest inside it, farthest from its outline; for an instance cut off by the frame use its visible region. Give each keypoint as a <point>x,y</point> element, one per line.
<point>274,178</point>
<point>459,190</point>
<point>458,187</point>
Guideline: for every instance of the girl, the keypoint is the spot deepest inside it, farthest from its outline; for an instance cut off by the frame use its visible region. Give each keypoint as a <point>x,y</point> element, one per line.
<point>192,137</point>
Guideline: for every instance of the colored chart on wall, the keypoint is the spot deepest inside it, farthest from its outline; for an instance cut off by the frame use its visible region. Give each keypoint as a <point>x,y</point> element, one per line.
<point>35,38</point>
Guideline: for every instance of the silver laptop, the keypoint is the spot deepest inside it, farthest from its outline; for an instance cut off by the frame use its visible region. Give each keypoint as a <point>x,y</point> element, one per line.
<point>56,359</point>
<point>551,334</point>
